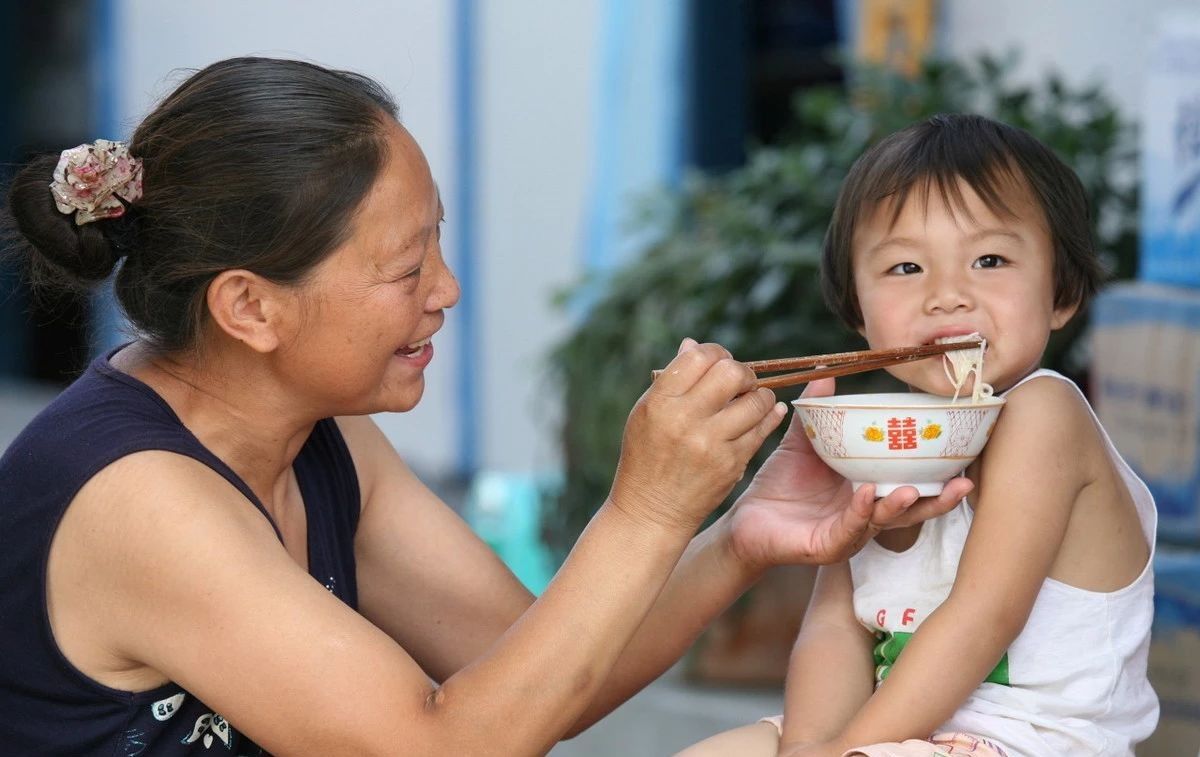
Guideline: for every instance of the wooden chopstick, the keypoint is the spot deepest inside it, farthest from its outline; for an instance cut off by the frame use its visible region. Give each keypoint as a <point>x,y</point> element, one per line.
<point>845,369</point>
<point>843,363</point>
<point>903,354</point>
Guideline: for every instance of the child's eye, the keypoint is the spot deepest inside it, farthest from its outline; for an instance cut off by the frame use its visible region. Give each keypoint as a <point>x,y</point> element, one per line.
<point>904,269</point>
<point>989,261</point>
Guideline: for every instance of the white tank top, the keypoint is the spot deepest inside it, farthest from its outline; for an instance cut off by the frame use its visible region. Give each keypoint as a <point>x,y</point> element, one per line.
<point>1073,682</point>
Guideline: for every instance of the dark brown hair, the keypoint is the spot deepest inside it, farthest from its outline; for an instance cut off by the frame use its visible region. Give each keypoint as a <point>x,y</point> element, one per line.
<point>991,158</point>
<point>254,163</point>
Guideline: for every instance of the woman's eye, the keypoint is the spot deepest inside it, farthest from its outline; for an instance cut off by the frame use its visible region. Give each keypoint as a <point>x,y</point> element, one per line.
<point>989,261</point>
<point>414,273</point>
<point>904,269</point>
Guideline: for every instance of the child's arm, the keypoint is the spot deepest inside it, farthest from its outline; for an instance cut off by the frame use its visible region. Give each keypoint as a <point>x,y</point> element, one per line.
<point>1029,478</point>
<point>832,670</point>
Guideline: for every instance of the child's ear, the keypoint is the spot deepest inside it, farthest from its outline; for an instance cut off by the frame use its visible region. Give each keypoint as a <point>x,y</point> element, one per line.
<point>1061,315</point>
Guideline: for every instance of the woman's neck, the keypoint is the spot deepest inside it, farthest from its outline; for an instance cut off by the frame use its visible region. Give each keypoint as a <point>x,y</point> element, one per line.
<point>233,404</point>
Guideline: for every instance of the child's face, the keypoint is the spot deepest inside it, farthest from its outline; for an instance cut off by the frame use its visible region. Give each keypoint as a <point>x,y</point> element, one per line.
<point>937,272</point>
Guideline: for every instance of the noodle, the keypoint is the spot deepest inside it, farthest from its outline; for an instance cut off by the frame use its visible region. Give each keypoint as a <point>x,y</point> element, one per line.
<point>959,365</point>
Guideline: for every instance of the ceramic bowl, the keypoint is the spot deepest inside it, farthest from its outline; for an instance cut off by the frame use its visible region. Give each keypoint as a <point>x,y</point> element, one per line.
<point>893,440</point>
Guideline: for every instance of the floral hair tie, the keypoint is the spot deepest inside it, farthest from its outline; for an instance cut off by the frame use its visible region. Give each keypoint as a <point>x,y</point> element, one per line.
<point>92,180</point>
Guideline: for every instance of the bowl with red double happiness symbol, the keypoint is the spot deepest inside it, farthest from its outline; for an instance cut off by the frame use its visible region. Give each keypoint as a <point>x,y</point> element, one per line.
<point>900,439</point>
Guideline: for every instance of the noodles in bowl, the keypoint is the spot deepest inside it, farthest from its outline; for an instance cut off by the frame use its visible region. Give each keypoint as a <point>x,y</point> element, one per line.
<point>900,439</point>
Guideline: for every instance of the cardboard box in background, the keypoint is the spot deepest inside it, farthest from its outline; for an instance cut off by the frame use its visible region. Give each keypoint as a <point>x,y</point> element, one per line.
<point>1175,654</point>
<point>1170,150</point>
<point>1145,384</point>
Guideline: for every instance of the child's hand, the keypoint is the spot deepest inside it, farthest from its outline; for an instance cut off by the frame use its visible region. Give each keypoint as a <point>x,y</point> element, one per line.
<point>798,510</point>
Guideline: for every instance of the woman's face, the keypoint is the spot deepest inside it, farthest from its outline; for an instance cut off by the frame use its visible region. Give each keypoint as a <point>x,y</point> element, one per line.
<point>368,313</point>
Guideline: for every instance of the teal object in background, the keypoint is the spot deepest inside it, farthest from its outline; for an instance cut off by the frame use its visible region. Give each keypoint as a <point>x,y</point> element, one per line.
<point>505,510</point>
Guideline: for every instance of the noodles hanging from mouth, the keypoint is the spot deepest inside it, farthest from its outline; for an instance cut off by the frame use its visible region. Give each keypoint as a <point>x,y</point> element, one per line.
<point>961,365</point>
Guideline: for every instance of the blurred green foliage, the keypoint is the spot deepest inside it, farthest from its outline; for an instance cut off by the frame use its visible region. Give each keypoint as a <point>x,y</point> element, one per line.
<point>733,258</point>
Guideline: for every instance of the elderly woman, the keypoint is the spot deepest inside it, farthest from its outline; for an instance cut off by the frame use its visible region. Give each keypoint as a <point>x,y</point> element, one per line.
<point>205,542</point>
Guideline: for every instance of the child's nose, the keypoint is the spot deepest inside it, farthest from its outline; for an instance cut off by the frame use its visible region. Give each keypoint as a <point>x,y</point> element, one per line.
<point>948,293</point>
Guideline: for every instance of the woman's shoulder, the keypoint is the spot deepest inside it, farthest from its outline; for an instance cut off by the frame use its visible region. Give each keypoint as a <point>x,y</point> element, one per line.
<point>155,485</point>
<point>90,425</point>
<point>374,457</point>
<point>98,410</point>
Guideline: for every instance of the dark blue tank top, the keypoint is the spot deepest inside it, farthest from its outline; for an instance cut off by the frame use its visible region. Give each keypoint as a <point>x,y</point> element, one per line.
<point>47,706</point>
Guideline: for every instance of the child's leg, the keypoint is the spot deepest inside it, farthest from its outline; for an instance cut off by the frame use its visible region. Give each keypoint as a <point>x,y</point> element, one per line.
<point>759,739</point>
<point>941,745</point>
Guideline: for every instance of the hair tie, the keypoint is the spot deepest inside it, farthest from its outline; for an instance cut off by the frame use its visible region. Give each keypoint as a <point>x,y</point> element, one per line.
<point>95,181</point>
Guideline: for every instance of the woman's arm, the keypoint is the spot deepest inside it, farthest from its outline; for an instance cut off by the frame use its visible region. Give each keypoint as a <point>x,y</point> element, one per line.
<point>1029,477</point>
<point>832,671</point>
<point>444,612</point>
<point>447,613</point>
<point>715,571</point>
<point>796,511</point>
<point>189,580</point>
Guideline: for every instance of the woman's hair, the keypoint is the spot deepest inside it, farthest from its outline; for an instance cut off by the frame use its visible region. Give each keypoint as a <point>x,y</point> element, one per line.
<point>253,163</point>
<point>992,158</point>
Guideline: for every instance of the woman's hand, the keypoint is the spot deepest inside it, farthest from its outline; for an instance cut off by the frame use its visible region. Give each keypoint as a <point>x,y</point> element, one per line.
<point>690,436</point>
<point>798,510</point>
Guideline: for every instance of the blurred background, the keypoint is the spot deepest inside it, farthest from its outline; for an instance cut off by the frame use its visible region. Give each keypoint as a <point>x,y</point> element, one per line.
<point>618,175</point>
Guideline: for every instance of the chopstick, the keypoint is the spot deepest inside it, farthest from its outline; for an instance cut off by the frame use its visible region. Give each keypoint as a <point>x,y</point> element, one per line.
<point>842,363</point>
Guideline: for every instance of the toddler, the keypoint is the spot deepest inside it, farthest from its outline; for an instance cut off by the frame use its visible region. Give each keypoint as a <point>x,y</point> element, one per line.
<point>1018,623</point>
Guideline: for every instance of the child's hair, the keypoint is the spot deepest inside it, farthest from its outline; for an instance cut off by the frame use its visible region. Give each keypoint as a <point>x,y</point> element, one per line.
<point>991,158</point>
<point>253,163</point>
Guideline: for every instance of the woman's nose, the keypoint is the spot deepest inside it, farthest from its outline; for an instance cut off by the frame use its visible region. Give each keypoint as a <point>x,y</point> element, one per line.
<point>947,293</point>
<point>446,291</point>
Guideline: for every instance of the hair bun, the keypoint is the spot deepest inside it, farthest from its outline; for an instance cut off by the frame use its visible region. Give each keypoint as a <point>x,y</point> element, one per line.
<point>55,244</point>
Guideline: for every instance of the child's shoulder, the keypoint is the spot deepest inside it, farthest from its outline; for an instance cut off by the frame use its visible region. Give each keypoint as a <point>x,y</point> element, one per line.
<point>1047,399</point>
<point>1043,417</point>
<point>1044,380</point>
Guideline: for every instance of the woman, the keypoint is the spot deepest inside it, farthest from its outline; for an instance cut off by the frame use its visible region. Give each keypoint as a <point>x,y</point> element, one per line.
<point>163,521</point>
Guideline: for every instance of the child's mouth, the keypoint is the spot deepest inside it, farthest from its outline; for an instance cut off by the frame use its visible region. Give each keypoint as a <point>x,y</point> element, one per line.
<point>955,335</point>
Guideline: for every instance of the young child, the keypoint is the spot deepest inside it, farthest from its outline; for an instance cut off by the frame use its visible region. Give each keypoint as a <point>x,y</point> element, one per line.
<point>1017,624</point>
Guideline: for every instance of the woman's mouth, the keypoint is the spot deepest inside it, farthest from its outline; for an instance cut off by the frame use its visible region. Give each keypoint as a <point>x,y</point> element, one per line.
<point>414,349</point>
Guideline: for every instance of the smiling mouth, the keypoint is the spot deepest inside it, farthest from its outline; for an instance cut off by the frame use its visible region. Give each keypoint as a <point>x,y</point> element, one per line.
<point>414,349</point>
<point>963,337</point>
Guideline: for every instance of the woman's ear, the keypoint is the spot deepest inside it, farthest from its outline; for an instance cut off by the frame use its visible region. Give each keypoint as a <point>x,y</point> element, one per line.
<point>248,308</point>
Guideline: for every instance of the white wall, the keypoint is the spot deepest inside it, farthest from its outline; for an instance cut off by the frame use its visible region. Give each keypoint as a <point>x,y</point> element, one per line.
<point>537,85</point>
<point>534,85</point>
<point>1084,40</point>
